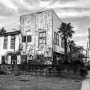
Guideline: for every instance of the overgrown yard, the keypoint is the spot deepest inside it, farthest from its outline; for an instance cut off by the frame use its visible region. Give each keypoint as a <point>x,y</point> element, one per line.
<point>28,82</point>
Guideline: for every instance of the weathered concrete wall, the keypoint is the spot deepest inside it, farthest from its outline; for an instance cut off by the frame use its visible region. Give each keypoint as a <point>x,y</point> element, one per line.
<point>56,25</point>
<point>31,25</point>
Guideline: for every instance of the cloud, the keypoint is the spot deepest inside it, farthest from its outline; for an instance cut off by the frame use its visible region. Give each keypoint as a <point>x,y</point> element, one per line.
<point>82,43</point>
<point>80,35</point>
<point>9,4</point>
<point>34,3</point>
<point>77,12</point>
<point>72,12</point>
<point>5,11</point>
<point>44,4</point>
<point>69,3</point>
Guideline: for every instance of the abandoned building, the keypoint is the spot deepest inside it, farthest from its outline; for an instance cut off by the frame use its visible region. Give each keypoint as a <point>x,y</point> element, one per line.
<point>9,47</point>
<point>38,35</point>
<point>39,32</point>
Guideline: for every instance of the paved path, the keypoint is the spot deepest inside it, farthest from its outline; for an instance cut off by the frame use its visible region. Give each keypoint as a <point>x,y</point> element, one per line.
<point>86,83</point>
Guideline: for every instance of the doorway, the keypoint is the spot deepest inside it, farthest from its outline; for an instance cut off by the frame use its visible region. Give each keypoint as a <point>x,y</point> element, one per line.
<point>13,59</point>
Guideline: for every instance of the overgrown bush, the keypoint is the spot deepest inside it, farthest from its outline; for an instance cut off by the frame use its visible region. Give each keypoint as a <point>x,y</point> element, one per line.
<point>76,68</point>
<point>83,72</point>
<point>2,70</point>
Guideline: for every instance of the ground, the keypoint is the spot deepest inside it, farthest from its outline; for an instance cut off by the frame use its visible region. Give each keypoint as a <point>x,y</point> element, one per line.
<point>28,82</point>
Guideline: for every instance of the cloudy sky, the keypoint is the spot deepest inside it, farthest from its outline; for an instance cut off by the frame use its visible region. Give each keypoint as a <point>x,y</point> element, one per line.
<point>77,12</point>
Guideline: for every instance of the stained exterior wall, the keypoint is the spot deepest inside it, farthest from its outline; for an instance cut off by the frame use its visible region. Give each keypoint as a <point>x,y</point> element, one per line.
<point>4,52</point>
<point>32,24</point>
<point>56,24</point>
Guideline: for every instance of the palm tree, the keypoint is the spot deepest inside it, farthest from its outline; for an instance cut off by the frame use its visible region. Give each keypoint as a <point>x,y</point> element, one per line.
<point>66,33</point>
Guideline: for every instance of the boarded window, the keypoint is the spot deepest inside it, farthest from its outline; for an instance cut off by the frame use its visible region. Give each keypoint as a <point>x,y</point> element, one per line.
<point>12,42</point>
<point>5,42</point>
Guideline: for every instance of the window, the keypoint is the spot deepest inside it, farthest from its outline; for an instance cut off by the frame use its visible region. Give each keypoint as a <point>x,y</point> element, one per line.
<point>3,59</point>
<point>23,38</point>
<point>56,39</point>
<point>24,59</point>
<point>13,57</point>
<point>42,37</point>
<point>5,42</point>
<point>12,42</point>
<point>26,38</point>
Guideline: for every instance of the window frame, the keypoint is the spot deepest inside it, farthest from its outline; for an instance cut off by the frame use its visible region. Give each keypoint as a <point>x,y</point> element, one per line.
<point>27,38</point>
<point>56,39</point>
<point>42,37</point>
<point>12,45</point>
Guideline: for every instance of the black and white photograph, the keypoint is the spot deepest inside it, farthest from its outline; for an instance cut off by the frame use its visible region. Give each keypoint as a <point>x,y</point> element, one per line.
<point>44,44</point>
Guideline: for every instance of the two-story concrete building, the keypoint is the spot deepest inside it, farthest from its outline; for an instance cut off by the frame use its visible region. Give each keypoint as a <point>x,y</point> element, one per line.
<point>39,32</point>
<point>9,47</point>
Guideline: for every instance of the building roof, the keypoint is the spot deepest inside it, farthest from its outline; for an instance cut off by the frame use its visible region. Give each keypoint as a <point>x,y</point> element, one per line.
<point>38,11</point>
<point>9,33</point>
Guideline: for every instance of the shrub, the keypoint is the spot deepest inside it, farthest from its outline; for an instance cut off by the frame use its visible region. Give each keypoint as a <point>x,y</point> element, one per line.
<point>83,72</point>
<point>2,70</point>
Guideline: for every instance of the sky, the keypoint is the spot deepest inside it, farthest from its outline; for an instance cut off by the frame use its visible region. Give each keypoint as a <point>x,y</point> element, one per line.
<point>76,12</point>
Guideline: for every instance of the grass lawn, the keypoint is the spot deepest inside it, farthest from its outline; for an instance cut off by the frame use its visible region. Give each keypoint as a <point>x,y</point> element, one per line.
<point>28,82</point>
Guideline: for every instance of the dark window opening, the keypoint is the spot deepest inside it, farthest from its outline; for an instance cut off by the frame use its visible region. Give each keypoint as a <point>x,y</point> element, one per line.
<point>28,38</point>
<point>23,38</point>
<point>13,57</point>
<point>5,42</point>
<point>12,42</point>
<point>3,59</point>
<point>24,59</point>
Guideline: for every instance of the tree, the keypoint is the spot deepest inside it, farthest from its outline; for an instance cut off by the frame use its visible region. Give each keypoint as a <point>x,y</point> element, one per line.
<point>66,33</point>
<point>75,53</point>
<point>71,45</point>
<point>2,30</point>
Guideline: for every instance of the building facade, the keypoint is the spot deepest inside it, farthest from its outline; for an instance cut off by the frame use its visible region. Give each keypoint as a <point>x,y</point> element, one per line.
<point>39,33</point>
<point>9,46</point>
